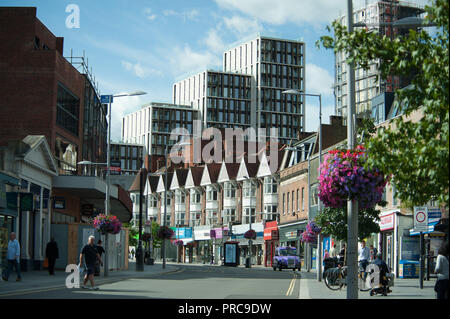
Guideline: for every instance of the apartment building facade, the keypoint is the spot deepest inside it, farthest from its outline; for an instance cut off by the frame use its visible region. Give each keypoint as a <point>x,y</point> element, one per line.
<point>369,83</point>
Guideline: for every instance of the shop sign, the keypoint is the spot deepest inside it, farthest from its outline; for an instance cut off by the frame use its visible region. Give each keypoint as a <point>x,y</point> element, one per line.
<point>59,203</point>
<point>387,222</point>
<point>291,234</point>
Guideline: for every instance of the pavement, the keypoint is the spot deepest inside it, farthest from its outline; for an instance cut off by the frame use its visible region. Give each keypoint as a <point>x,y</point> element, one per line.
<point>199,281</point>
<point>41,280</point>
<point>311,288</point>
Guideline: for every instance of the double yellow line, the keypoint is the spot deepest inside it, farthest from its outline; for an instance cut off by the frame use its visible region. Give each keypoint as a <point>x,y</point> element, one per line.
<point>291,286</point>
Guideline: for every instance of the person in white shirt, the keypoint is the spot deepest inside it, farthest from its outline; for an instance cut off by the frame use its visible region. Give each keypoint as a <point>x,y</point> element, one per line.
<point>333,252</point>
<point>363,255</point>
<point>13,256</point>
<point>441,270</point>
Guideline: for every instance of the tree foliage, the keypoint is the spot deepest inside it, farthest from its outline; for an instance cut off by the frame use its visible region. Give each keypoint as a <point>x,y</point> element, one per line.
<point>333,221</point>
<point>416,154</point>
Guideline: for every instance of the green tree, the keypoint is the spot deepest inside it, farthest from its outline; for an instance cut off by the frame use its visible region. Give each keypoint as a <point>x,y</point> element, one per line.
<point>132,241</point>
<point>416,154</point>
<point>333,221</point>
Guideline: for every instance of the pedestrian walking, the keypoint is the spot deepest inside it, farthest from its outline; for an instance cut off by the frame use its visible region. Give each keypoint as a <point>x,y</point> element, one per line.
<point>326,254</point>
<point>100,251</point>
<point>441,286</point>
<point>89,255</point>
<point>342,255</point>
<point>132,254</point>
<point>52,253</point>
<point>333,252</point>
<point>13,256</point>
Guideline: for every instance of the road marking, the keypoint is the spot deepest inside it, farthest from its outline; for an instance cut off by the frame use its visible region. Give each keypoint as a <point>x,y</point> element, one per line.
<point>292,285</point>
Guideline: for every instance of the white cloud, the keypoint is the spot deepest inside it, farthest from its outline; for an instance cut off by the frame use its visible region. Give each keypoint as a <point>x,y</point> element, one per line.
<point>213,41</point>
<point>279,12</point>
<point>149,15</point>
<point>184,60</point>
<point>312,115</point>
<point>318,80</point>
<point>240,25</point>
<point>139,70</point>
<point>186,15</point>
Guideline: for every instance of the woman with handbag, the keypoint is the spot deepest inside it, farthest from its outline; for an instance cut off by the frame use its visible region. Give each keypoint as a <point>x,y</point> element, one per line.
<point>441,270</point>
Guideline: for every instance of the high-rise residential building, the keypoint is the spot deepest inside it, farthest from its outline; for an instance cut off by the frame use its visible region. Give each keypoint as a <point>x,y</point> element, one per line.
<point>152,124</point>
<point>369,83</point>
<point>255,73</point>
<point>223,99</point>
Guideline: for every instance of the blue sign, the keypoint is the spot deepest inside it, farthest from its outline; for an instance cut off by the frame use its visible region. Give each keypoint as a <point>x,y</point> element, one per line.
<point>435,213</point>
<point>182,232</point>
<point>104,99</point>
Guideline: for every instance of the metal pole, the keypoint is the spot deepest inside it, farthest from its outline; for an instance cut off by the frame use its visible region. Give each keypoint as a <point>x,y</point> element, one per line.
<point>307,246</point>
<point>108,183</point>
<point>421,261</point>
<point>140,255</point>
<point>319,238</point>
<point>352,206</point>
<point>165,211</point>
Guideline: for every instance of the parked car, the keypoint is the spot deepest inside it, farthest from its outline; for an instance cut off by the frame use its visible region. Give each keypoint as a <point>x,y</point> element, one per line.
<point>286,258</point>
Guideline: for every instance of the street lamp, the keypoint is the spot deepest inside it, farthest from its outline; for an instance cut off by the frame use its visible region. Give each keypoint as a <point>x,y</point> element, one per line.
<point>319,245</point>
<point>165,197</point>
<point>249,260</point>
<point>109,99</point>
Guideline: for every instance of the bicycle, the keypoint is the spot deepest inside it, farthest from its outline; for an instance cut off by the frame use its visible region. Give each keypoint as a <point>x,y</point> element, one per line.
<point>334,282</point>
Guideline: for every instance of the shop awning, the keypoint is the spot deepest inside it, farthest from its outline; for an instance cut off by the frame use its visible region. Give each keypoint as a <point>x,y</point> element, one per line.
<point>430,230</point>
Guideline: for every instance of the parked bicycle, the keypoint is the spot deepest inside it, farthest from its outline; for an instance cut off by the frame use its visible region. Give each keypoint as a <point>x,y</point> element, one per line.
<point>335,275</point>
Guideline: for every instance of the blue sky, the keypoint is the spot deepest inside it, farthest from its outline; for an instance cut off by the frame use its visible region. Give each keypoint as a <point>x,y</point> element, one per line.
<point>149,44</point>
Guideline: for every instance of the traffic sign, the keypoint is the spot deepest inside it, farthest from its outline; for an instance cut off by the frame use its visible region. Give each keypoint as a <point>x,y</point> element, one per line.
<point>420,218</point>
<point>104,99</point>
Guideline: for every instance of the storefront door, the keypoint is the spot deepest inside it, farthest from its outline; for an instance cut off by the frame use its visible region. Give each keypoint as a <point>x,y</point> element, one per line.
<point>389,251</point>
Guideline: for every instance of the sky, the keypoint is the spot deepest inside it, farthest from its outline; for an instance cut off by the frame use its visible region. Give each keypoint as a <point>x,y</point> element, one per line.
<point>150,44</point>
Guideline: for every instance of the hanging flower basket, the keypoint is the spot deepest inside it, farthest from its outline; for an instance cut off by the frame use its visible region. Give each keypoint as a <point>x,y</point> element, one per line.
<point>250,234</point>
<point>178,243</point>
<point>311,232</point>
<point>107,224</point>
<point>146,236</point>
<point>165,232</point>
<point>212,233</point>
<point>343,177</point>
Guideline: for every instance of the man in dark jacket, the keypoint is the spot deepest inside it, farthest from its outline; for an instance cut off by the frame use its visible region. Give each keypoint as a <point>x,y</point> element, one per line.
<point>51,252</point>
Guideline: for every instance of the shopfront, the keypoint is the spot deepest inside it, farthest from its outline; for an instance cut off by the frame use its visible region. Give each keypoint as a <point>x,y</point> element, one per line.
<point>220,237</point>
<point>8,213</point>
<point>271,240</point>
<point>387,237</point>
<point>203,247</point>
<point>290,235</point>
<point>185,234</point>
<point>238,232</point>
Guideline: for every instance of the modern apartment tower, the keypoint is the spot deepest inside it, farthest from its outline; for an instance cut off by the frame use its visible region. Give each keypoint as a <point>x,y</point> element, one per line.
<point>255,73</point>
<point>152,124</point>
<point>368,83</point>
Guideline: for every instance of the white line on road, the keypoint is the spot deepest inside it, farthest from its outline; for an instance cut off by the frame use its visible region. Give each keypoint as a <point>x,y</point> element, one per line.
<point>292,285</point>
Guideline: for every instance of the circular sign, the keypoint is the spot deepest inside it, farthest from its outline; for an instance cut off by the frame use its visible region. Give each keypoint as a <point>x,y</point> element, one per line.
<point>420,217</point>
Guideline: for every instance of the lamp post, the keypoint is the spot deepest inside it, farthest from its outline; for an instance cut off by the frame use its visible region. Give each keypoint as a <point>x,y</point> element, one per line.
<point>109,99</point>
<point>249,261</point>
<point>319,244</point>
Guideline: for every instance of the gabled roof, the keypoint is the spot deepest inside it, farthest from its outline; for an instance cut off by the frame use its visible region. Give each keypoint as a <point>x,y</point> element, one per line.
<point>228,171</point>
<point>160,188</point>
<point>151,184</point>
<point>179,178</point>
<point>247,169</point>
<point>39,154</point>
<point>210,174</point>
<point>265,168</point>
<point>194,176</point>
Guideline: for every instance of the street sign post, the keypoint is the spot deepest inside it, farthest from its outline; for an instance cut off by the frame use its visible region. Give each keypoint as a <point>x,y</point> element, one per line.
<point>421,218</point>
<point>421,225</point>
<point>105,99</point>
